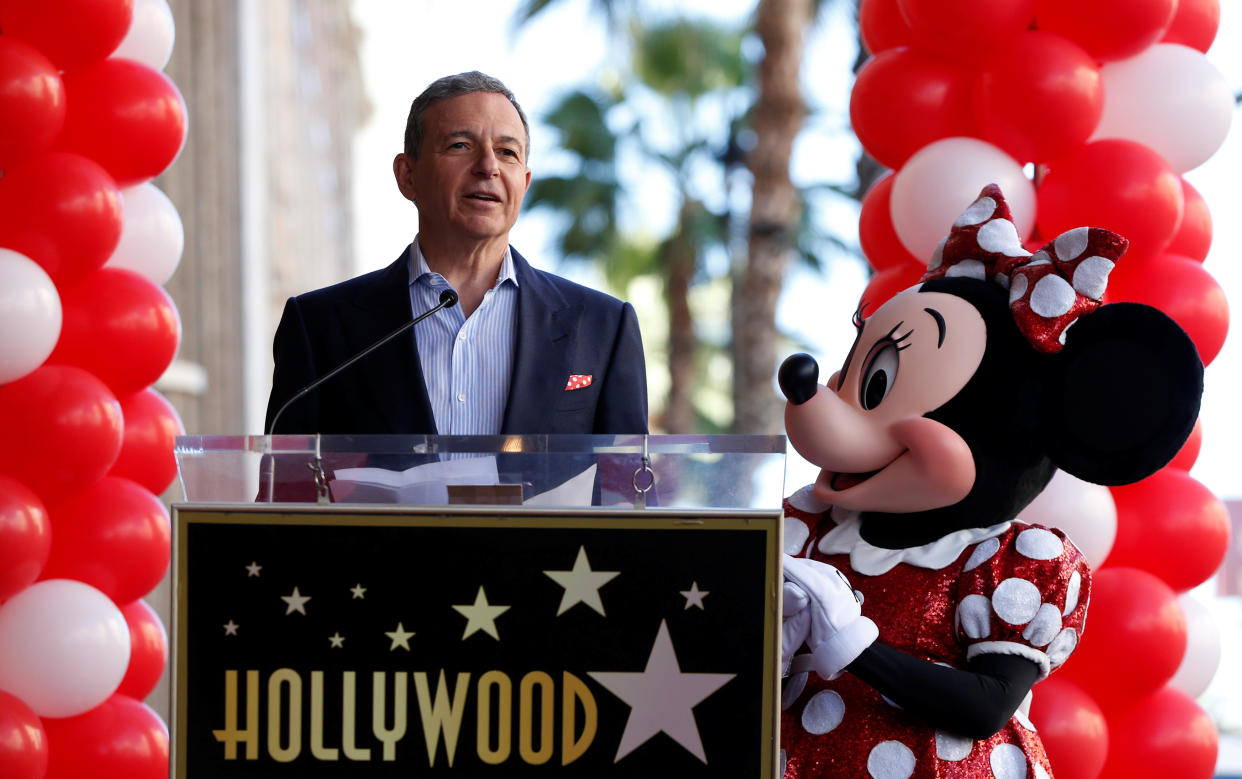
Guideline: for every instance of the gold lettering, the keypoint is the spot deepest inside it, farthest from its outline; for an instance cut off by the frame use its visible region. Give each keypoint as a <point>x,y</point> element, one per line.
<point>279,678</point>
<point>483,732</point>
<point>230,735</point>
<point>444,716</point>
<point>378,704</point>
<point>526,720</point>
<point>349,708</point>
<point>574,690</point>
<point>316,717</point>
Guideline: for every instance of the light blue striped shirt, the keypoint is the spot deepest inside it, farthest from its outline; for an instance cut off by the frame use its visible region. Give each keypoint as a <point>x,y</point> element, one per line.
<point>467,363</point>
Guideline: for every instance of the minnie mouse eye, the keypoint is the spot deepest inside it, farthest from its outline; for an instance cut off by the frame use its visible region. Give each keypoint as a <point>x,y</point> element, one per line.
<point>879,376</point>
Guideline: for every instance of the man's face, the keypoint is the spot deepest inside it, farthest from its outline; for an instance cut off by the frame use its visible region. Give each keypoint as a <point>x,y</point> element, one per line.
<point>470,175</point>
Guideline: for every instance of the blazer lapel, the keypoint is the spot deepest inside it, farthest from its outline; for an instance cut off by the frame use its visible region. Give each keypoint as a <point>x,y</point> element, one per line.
<point>541,359</point>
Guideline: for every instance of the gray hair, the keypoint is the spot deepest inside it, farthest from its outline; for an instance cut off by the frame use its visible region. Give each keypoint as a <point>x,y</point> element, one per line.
<point>447,88</point>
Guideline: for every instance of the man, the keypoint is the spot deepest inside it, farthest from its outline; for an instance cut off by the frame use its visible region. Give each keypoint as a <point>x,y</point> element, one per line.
<point>523,352</point>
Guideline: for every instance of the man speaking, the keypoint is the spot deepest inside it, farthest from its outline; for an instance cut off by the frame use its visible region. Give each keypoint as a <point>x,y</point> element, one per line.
<point>523,351</point>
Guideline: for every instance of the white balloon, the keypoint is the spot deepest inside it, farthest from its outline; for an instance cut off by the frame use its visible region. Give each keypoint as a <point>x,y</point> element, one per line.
<point>1202,648</point>
<point>64,647</point>
<point>151,34</point>
<point>942,179</point>
<point>1169,98</point>
<point>30,315</point>
<point>152,237</point>
<point>1085,511</point>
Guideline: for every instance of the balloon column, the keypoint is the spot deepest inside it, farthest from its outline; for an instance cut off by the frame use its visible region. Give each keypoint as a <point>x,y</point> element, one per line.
<point>1085,112</point>
<point>87,119</point>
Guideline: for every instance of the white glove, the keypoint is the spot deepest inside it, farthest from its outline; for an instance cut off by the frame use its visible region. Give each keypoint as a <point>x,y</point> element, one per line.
<point>835,630</point>
<point>796,625</point>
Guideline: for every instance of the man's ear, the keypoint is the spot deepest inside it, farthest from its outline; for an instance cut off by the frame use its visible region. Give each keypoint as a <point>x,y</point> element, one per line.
<point>1122,396</point>
<point>403,171</point>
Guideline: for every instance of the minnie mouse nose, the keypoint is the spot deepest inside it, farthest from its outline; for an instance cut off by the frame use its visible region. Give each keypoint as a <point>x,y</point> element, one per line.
<point>798,377</point>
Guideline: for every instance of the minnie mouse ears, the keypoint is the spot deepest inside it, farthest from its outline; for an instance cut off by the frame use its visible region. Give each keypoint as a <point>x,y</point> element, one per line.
<point>1048,290</point>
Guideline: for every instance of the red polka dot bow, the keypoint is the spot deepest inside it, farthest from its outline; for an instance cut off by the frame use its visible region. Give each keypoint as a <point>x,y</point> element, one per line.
<point>1048,290</point>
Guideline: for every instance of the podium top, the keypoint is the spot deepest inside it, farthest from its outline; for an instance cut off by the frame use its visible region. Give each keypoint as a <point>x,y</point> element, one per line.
<point>554,471</point>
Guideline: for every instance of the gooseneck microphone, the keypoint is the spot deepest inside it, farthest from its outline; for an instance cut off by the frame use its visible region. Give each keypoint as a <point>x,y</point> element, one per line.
<point>448,299</point>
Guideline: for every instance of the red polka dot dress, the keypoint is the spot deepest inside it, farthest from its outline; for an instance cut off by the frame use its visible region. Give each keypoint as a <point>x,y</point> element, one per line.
<point>1011,589</point>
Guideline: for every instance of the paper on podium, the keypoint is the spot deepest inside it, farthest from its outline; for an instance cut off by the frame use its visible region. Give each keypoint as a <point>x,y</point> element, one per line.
<point>575,491</point>
<point>422,485</point>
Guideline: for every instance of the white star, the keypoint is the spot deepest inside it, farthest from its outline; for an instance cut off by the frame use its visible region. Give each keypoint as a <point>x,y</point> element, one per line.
<point>581,584</point>
<point>253,569</point>
<point>337,640</point>
<point>230,628</point>
<point>359,591</point>
<point>694,596</point>
<point>400,638</point>
<point>480,616</point>
<point>296,601</point>
<point>661,698</point>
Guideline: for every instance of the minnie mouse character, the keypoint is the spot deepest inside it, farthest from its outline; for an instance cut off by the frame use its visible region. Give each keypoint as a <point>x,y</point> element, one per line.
<point>924,610</point>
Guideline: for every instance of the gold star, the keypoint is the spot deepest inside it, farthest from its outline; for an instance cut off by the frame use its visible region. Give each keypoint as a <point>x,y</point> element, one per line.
<point>400,638</point>
<point>359,591</point>
<point>253,569</point>
<point>230,628</point>
<point>337,640</point>
<point>694,596</point>
<point>480,616</point>
<point>581,584</point>
<point>296,601</point>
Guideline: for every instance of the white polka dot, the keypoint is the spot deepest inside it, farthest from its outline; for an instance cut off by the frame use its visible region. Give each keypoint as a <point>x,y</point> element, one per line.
<point>1016,601</point>
<point>1071,243</point>
<point>1062,646</point>
<point>1091,276</point>
<point>1001,281</point>
<point>971,269</point>
<point>1065,331</point>
<point>979,211</point>
<point>1052,296</point>
<point>784,760</point>
<point>1071,593</point>
<point>1040,773</point>
<point>983,552</point>
<point>974,614</point>
<point>950,746</point>
<point>1038,258</point>
<point>1017,287</point>
<point>794,686</point>
<point>796,534</point>
<point>1044,627</point>
<point>858,596</point>
<point>823,712</point>
<point>1001,237</point>
<point>1008,762</point>
<point>890,760</point>
<point>1039,544</point>
<point>937,254</point>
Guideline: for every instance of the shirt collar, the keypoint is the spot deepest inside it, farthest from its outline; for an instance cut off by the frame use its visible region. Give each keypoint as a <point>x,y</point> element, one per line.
<point>870,560</point>
<point>419,268</point>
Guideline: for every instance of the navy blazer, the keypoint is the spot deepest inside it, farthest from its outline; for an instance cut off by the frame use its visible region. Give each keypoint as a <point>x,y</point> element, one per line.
<point>563,329</point>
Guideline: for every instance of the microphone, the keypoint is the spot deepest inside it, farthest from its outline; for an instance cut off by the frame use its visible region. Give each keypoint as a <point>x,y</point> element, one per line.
<point>448,299</point>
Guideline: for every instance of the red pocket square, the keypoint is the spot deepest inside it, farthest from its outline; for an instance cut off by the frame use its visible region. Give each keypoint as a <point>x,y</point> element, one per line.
<point>578,381</point>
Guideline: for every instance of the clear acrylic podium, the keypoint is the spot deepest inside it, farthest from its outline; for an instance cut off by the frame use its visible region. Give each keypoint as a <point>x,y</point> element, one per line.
<point>381,606</point>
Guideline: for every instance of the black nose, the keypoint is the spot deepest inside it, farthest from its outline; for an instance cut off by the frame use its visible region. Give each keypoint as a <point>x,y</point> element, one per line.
<point>798,377</point>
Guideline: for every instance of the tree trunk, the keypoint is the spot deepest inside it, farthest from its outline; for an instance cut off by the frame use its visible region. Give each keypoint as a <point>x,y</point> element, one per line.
<point>779,111</point>
<point>679,259</point>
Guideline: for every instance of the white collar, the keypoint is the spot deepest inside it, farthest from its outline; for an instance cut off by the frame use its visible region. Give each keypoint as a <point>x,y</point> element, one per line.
<point>874,560</point>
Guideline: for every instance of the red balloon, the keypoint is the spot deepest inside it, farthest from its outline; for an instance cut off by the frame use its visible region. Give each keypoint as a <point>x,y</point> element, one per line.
<point>1172,526</point>
<point>930,96</point>
<point>23,743</point>
<point>114,535</point>
<point>1071,727</point>
<point>965,29</point>
<point>32,101</point>
<point>1194,24</point>
<point>1116,184</point>
<point>151,429</point>
<point>62,430</point>
<point>1136,640</point>
<point>1038,97</point>
<point>148,650</point>
<point>126,116</point>
<point>885,284</point>
<point>1194,235</point>
<point>119,326</point>
<point>25,538</point>
<point>1109,29</point>
<point>62,211</point>
<point>1165,734</point>
<point>1181,288</point>
<point>882,26</point>
<point>879,241</point>
<point>71,33</point>
<point>120,738</point>
<point>1185,458</point>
